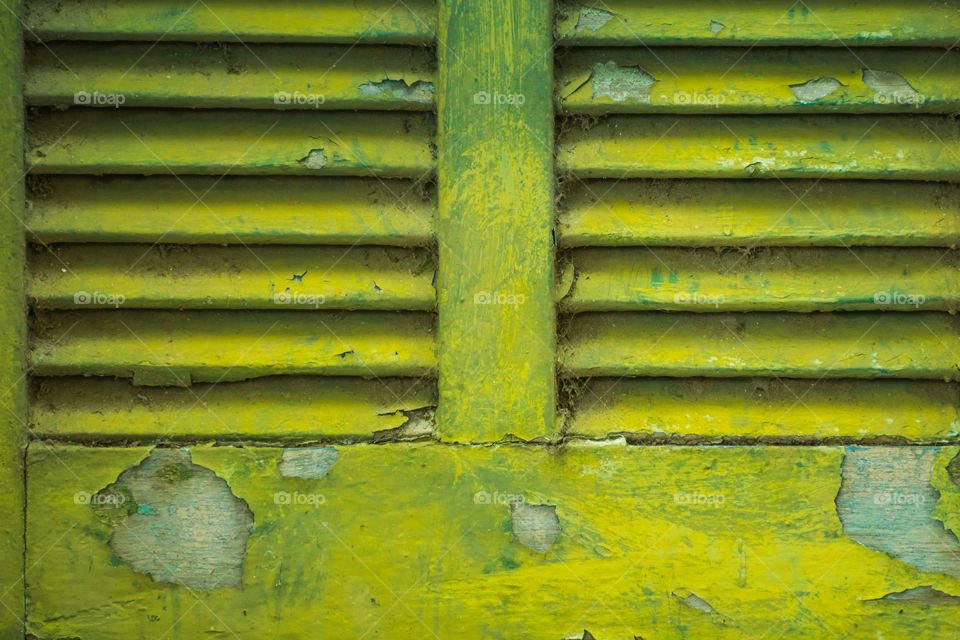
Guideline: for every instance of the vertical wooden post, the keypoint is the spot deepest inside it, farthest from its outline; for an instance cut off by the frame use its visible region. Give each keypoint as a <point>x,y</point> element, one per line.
<point>495,177</point>
<point>12,327</point>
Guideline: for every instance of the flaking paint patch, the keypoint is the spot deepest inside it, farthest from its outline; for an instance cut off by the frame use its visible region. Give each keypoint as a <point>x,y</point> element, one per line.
<point>813,90</point>
<point>591,19</point>
<point>888,83</point>
<point>315,159</point>
<point>924,594</point>
<point>420,91</point>
<point>716,27</point>
<point>182,523</point>
<point>312,464</point>
<point>535,525</point>
<point>886,503</point>
<point>694,601</point>
<point>610,80</point>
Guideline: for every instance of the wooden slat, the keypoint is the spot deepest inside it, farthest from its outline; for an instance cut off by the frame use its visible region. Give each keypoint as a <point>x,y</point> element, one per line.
<point>736,213</point>
<point>836,23</point>
<point>834,279</point>
<point>495,220</point>
<point>229,210</point>
<point>758,80</point>
<point>715,409</point>
<point>410,21</point>
<point>147,141</point>
<point>841,345</point>
<point>876,147</point>
<point>286,408</point>
<point>668,543</point>
<point>175,347</point>
<point>250,277</point>
<point>231,75</point>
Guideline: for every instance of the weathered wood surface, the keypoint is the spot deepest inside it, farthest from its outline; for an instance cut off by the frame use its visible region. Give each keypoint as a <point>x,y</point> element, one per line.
<point>404,540</point>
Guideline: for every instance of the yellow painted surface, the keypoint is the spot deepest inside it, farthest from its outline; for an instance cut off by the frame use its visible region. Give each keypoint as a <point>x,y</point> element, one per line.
<point>229,210</point>
<point>758,80</point>
<point>738,213</point>
<point>281,408</point>
<point>876,147</point>
<point>148,141</point>
<point>418,540</point>
<point>213,346</point>
<point>411,21</point>
<point>135,276</point>
<point>766,407</point>
<point>833,345</point>
<point>768,279</point>
<point>305,77</point>
<point>746,23</point>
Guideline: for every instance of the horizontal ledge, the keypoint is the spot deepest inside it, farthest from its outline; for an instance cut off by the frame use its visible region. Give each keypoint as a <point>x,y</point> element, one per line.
<point>238,277</point>
<point>411,21</point>
<point>229,210</point>
<point>736,213</point>
<point>767,279</point>
<point>883,147</point>
<point>230,75</point>
<point>176,348</point>
<point>758,80</point>
<point>274,408</point>
<point>164,141</point>
<point>825,23</point>
<point>766,408</point>
<point>919,345</point>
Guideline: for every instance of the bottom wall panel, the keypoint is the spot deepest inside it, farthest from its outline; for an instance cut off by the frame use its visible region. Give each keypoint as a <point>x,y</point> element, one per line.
<point>425,540</point>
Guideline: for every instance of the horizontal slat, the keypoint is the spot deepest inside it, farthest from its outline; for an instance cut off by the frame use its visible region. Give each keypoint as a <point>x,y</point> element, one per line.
<point>210,277</point>
<point>176,347</point>
<point>410,21</point>
<point>662,543</point>
<point>735,213</point>
<point>758,80</point>
<point>834,345</point>
<point>732,408</point>
<point>257,77</point>
<point>876,147</point>
<point>255,210</point>
<point>287,407</point>
<point>837,23</point>
<point>147,141</point>
<point>834,279</point>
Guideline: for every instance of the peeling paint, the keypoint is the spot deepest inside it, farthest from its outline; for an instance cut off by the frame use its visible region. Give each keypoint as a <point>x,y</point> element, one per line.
<point>315,159</point>
<point>694,601</point>
<point>924,594</point>
<point>535,525</point>
<point>419,91</point>
<point>716,27</point>
<point>888,83</point>
<point>312,464</point>
<point>813,90</point>
<point>591,19</point>
<point>177,522</point>
<point>420,423</point>
<point>621,83</point>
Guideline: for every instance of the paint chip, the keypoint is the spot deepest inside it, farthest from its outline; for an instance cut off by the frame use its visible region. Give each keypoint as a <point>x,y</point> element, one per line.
<point>813,90</point>
<point>888,83</point>
<point>925,594</point>
<point>694,601</point>
<point>420,91</point>
<point>591,19</point>
<point>315,159</point>
<point>716,27</point>
<point>177,522</point>
<point>311,464</point>
<point>620,84</point>
<point>535,525</point>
